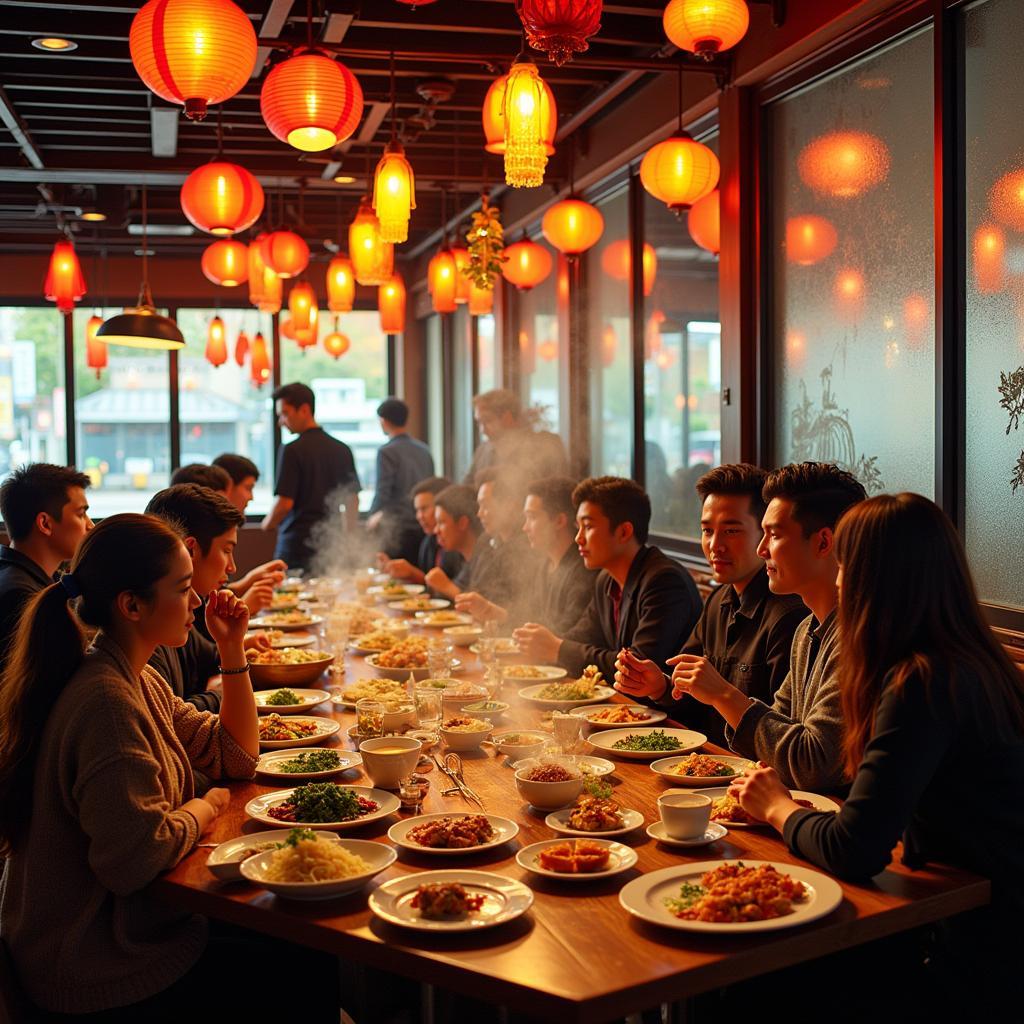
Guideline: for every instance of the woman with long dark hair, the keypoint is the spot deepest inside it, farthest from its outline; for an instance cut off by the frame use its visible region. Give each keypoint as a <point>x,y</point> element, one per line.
<point>934,718</point>
<point>96,758</point>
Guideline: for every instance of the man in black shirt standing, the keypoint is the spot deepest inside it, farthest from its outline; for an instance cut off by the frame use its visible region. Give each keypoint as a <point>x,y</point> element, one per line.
<point>314,472</point>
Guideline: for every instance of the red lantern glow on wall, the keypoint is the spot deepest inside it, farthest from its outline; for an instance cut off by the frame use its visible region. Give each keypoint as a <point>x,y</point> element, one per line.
<point>809,239</point>
<point>285,253</point>
<point>226,263</point>
<point>528,264</point>
<point>989,251</point>
<point>222,198</point>
<point>560,28</point>
<point>704,222</point>
<point>844,165</point>
<point>65,283</point>
<point>95,350</point>
<point>617,262</point>
<point>1006,200</point>
<point>916,314</point>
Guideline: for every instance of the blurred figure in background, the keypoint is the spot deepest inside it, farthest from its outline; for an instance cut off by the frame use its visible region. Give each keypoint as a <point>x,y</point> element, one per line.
<point>244,474</point>
<point>430,554</point>
<point>199,473</point>
<point>458,530</point>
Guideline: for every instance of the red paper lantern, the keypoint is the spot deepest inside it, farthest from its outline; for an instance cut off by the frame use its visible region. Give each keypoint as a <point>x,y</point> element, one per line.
<point>443,281</point>
<point>273,289</point>
<point>704,222</point>
<point>222,198</point>
<point>706,27</point>
<point>560,28</point>
<point>336,343</point>
<point>259,366</point>
<point>844,165</point>
<point>548,350</point>
<point>391,304</point>
<point>809,239</point>
<point>307,337</point>
<point>226,263</point>
<point>301,303</point>
<point>95,349</point>
<point>481,300</point>
<point>216,343</point>
<point>989,259</point>
<point>65,283</point>
<point>285,253</point>
<point>241,348</point>
<point>193,52</point>
<point>311,102</point>
<point>341,285</point>
<point>617,262</point>
<point>573,226</point>
<point>679,171</point>
<point>528,264</point>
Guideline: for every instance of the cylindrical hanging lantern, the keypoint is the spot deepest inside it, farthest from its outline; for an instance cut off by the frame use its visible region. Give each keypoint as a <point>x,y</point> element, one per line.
<point>241,348</point>
<point>617,262</point>
<point>528,264</point>
<point>216,343</point>
<point>311,102</point>
<point>65,283</point>
<point>560,28</point>
<point>307,337</point>
<point>226,263</point>
<point>341,285</point>
<point>525,149</point>
<point>257,270</point>
<point>301,303</point>
<point>572,226</point>
<point>391,305</point>
<point>989,259</point>
<point>95,350</point>
<point>704,222</point>
<point>843,165</point>
<point>372,258</point>
<point>809,239</point>
<point>222,198</point>
<point>285,253</point>
<point>443,281</point>
<point>193,52</point>
<point>273,291</point>
<point>706,27</point>
<point>494,117</point>
<point>463,282</point>
<point>394,194</point>
<point>481,300</point>
<point>679,171</point>
<point>259,365</point>
<point>336,343</point>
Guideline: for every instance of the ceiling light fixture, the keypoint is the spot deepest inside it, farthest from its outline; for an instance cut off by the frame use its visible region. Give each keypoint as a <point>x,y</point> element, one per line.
<point>94,216</point>
<point>55,44</point>
<point>394,184</point>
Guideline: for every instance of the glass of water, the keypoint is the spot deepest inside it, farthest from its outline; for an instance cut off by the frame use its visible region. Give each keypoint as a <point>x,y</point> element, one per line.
<point>568,729</point>
<point>439,658</point>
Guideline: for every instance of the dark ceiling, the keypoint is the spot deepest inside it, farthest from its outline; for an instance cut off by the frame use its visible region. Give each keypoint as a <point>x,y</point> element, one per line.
<point>79,129</point>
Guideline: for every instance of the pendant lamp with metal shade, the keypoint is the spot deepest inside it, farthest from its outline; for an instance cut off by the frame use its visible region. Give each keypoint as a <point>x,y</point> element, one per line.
<point>142,327</point>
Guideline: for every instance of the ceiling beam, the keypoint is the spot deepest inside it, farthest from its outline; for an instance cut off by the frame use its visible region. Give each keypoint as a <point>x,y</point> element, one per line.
<point>273,21</point>
<point>19,130</point>
<point>163,129</point>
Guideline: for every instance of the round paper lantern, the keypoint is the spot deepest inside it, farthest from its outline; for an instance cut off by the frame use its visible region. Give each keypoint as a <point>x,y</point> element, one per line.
<point>1007,200</point>
<point>560,28</point>
<point>443,281</point>
<point>526,153</point>
<point>391,305</point>
<point>259,365</point>
<point>372,258</point>
<point>311,102</point>
<point>287,328</point>
<point>341,285</point>
<point>706,27</point>
<point>572,226</point>
<point>989,252</point>
<point>301,303</point>
<point>394,194</point>
<point>481,300</point>
<point>336,343</point>
<point>843,165</point>
<point>193,52</point>
<point>241,348</point>
<point>617,262</point>
<point>704,222</point>
<point>679,171</point>
<point>222,198</point>
<point>226,263</point>
<point>307,337</point>
<point>463,283</point>
<point>849,289</point>
<point>809,239</point>
<point>257,270</point>
<point>273,290</point>
<point>528,264</point>
<point>95,350</point>
<point>285,253</point>
<point>65,283</point>
<point>494,117</point>
<point>216,343</point>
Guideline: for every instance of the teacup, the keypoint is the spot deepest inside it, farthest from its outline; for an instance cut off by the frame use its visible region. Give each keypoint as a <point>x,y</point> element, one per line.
<point>685,815</point>
<point>389,759</point>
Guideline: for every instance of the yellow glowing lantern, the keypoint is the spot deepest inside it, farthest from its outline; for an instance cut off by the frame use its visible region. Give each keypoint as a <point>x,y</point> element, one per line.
<point>301,303</point>
<point>525,150</point>
<point>341,285</point>
<point>391,305</point>
<point>494,117</point>
<point>463,283</point>
<point>844,164</point>
<point>226,263</point>
<point>679,171</point>
<point>373,259</point>
<point>706,27</point>
<point>273,291</point>
<point>443,281</point>
<point>216,343</point>
<point>394,194</point>
<point>528,264</point>
<point>573,226</point>
<point>259,365</point>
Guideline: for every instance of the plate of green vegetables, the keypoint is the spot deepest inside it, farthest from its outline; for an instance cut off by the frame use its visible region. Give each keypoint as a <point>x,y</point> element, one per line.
<point>307,763</point>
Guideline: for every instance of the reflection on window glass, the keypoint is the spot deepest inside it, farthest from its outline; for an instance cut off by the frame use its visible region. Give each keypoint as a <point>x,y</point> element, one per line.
<point>221,409</point>
<point>994,497</point>
<point>462,388</point>
<point>540,346</point>
<point>122,422</point>
<point>435,393</point>
<point>682,367</point>
<point>488,356</point>
<point>348,390</point>
<point>606,300</point>
<point>32,427</point>
<point>853,276</point>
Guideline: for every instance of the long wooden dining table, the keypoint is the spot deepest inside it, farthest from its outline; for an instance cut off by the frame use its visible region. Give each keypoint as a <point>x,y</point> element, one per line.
<point>576,955</point>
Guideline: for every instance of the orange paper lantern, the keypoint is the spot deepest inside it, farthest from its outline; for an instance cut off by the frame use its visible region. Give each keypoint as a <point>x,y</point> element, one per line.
<point>301,303</point>
<point>573,226</point>
<point>391,305</point>
<point>528,264</point>
<point>285,253</point>
<point>844,165</point>
<point>679,171</point>
<point>336,343</point>
<point>226,263</point>
<point>259,366</point>
<point>241,348</point>
<point>560,28</point>
<point>394,194</point>
<point>308,336</point>
<point>494,117</point>
<point>1007,200</point>
<point>373,259</point>
<point>216,343</point>
<point>617,262</point>
<point>222,198</point>
<point>548,350</point>
<point>311,102</point>
<point>706,27</point>
<point>341,285</point>
<point>481,300</point>
<point>95,350</point>
<point>273,290</point>
<point>443,281</point>
<point>989,259</point>
<point>463,283</point>
<point>809,239</point>
<point>65,283</point>
<point>193,52</point>
<point>704,222</point>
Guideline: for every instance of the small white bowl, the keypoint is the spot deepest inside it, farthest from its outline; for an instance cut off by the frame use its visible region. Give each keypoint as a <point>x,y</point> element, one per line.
<point>388,759</point>
<point>547,796</point>
<point>454,703</point>
<point>463,636</point>
<point>465,740</point>
<point>519,751</point>
<point>477,710</point>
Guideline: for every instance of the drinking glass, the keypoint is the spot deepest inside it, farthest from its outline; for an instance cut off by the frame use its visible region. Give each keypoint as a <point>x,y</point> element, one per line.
<point>567,729</point>
<point>428,707</point>
<point>369,718</point>
<point>439,658</point>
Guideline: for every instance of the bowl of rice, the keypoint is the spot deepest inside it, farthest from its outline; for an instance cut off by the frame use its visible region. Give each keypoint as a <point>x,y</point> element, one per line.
<point>306,867</point>
<point>462,732</point>
<point>549,783</point>
<point>286,666</point>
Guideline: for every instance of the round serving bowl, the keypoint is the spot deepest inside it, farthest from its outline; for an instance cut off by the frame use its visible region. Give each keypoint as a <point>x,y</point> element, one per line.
<point>456,696</point>
<point>463,636</point>
<point>491,710</point>
<point>519,751</point>
<point>388,759</point>
<point>465,740</point>
<point>548,796</point>
<point>270,677</point>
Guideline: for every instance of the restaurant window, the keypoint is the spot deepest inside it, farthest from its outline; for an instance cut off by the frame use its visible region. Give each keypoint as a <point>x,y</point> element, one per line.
<point>541,347</point>
<point>348,389</point>
<point>122,422</point>
<point>462,387</point>
<point>220,409</point>
<point>435,393</point>
<point>994,175</point>
<point>32,416</point>
<point>852,264</point>
<point>488,354</point>
<point>607,319</point>
<point>682,366</point>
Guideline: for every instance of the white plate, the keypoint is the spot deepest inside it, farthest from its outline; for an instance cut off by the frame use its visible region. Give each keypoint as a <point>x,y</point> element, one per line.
<point>431,604</point>
<point>559,821</point>
<point>262,622</point>
<point>504,830</point>
<point>409,589</point>
<point>664,765</point>
<point>820,803</point>
<point>428,620</point>
<point>644,897</point>
<point>529,694</point>
<point>505,899</point>
<point>339,700</point>
<point>267,764</point>
<point>400,675</point>
<point>259,806</point>
<point>715,831</point>
<point>550,674</point>
<point>377,855</point>
<point>324,727</point>
<point>653,715</point>
<point>291,640</point>
<point>223,862</point>
<point>605,740</point>
<point>307,699</point>
<point>593,767</point>
<point>621,858</point>
<point>508,649</point>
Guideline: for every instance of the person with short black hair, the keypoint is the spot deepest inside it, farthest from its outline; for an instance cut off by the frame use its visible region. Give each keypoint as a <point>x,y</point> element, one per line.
<point>402,461</point>
<point>430,554</point>
<point>458,529</point>
<point>745,632</point>
<point>46,513</point>
<point>313,471</point>
<point>244,474</point>
<point>213,477</point>
<point>642,599</point>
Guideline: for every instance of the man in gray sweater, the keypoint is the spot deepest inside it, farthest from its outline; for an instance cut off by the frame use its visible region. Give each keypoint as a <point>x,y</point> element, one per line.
<point>800,734</point>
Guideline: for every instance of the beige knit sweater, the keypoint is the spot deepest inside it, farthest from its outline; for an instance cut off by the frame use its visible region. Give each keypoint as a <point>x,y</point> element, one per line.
<point>114,769</point>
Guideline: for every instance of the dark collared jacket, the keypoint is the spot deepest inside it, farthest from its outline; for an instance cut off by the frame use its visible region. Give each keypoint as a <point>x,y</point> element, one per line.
<point>565,592</point>
<point>20,579</point>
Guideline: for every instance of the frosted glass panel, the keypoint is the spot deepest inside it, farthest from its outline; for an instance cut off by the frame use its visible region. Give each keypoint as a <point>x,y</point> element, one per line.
<point>541,349</point>
<point>853,280</point>
<point>994,500</point>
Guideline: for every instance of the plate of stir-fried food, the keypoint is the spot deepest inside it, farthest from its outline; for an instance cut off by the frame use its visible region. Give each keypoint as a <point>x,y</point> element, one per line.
<point>700,769</point>
<point>452,833</point>
<point>615,716</point>
<point>287,701</point>
<point>567,694</point>
<point>727,811</point>
<point>277,732</point>
<point>594,814</point>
